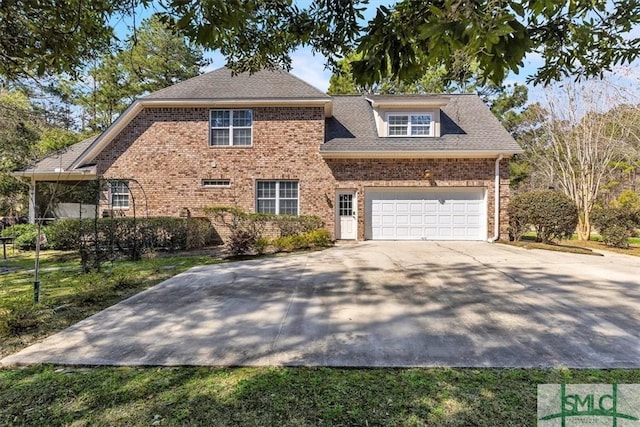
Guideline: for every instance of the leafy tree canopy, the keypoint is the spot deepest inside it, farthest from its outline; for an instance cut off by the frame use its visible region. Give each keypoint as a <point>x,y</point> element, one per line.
<point>577,38</point>
<point>506,102</point>
<point>153,58</point>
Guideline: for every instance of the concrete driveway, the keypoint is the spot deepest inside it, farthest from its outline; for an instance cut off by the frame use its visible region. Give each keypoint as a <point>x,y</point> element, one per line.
<point>374,304</point>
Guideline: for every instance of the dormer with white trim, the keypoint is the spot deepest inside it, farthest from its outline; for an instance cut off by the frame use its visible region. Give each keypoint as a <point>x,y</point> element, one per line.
<point>407,116</point>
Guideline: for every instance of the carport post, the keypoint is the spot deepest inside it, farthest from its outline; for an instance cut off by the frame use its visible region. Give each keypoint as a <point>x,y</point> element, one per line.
<point>32,201</point>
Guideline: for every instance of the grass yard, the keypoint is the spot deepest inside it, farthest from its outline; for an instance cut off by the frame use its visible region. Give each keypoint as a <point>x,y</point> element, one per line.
<point>152,396</point>
<point>576,246</point>
<point>596,243</point>
<point>281,396</point>
<point>67,294</point>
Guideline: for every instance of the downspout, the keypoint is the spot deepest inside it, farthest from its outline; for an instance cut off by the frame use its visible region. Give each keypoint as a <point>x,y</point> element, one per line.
<point>496,201</point>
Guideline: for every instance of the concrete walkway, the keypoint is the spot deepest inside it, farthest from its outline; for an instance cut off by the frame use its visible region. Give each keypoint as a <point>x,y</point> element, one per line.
<point>374,304</point>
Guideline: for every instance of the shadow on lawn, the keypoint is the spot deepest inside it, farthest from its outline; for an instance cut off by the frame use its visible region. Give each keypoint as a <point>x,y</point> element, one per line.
<point>280,396</point>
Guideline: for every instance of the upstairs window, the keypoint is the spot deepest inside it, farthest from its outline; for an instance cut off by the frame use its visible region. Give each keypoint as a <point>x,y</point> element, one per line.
<point>231,127</point>
<point>277,197</point>
<point>119,194</point>
<point>409,124</point>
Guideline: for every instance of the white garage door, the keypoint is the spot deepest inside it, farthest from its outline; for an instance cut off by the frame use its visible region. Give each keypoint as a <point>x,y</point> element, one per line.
<point>419,214</point>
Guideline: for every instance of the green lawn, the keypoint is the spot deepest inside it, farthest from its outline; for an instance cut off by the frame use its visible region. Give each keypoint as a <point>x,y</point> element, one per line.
<point>67,294</point>
<point>88,396</point>
<point>576,246</point>
<point>281,396</point>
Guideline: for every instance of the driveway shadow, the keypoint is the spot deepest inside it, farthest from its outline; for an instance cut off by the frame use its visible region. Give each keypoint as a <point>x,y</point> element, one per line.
<point>373,304</point>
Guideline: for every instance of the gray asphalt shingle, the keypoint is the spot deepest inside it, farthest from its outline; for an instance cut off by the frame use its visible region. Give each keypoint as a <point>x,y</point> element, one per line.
<point>466,125</point>
<point>60,161</point>
<point>221,84</point>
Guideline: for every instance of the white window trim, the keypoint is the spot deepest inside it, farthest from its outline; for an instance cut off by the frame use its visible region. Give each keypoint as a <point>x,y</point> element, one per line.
<point>113,193</point>
<point>216,183</point>
<point>409,125</point>
<point>277,199</point>
<point>230,127</point>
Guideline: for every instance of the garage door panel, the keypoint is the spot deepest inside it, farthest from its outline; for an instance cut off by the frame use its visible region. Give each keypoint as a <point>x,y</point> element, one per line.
<point>409,214</point>
<point>387,220</point>
<point>415,207</point>
<point>460,220</point>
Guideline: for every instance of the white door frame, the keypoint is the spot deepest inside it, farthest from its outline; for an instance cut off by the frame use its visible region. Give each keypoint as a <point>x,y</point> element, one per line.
<point>353,235</point>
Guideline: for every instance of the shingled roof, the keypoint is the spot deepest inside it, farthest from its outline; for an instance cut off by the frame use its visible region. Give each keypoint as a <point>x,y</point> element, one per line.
<point>467,125</point>
<point>59,163</point>
<point>221,84</point>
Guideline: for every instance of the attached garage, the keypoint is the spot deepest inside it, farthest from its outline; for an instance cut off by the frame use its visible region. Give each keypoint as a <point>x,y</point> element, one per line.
<point>425,214</point>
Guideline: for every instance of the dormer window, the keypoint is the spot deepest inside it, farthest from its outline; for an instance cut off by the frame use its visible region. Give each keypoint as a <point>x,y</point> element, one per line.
<point>409,124</point>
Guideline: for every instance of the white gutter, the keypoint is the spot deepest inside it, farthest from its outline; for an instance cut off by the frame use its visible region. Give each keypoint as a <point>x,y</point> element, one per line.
<point>496,202</point>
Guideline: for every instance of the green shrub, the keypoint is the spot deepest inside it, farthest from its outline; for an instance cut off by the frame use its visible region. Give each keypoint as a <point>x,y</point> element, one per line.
<point>552,214</point>
<point>261,244</point>
<point>616,225</point>
<point>629,199</point>
<point>63,234</point>
<point>312,239</point>
<point>18,229</point>
<point>320,238</point>
<point>24,236</point>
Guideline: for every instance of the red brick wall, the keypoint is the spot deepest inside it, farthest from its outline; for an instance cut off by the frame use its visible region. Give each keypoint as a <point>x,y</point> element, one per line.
<point>165,153</point>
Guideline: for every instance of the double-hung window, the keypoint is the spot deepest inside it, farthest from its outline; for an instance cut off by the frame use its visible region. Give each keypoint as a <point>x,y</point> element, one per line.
<point>231,127</point>
<point>277,197</point>
<point>409,124</point>
<point>119,194</point>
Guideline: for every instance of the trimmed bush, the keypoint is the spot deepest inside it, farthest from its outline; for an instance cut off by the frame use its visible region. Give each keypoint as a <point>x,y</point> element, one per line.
<point>120,235</point>
<point>63,234</point>
<point>616,225</point>
<point>552,214</point>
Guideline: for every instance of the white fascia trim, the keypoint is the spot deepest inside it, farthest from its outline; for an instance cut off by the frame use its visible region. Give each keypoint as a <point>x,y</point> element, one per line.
<point>58,176</point>
<point>125,118</point>
<point>428,101</point>
<point>414,154</point>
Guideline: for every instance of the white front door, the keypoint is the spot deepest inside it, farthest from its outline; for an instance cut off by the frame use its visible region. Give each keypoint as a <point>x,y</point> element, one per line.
<point>347,216</point>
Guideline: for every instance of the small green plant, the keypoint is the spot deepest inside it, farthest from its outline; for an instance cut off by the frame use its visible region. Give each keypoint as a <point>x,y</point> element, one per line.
<point>24,236</point>
<point>22,316</point>
<point>552,214</point>
<point>250,232</point>
<point>313,239</point>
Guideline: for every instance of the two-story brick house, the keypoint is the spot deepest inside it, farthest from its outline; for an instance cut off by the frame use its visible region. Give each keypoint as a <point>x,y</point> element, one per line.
<point>372,167</point>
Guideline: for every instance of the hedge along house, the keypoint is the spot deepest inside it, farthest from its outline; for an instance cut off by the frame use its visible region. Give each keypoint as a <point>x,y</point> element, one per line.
<point>428,167</point>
